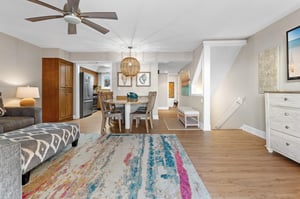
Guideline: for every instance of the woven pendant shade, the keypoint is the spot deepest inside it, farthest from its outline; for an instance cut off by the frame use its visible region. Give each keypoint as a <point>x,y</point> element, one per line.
<point>130,66</point>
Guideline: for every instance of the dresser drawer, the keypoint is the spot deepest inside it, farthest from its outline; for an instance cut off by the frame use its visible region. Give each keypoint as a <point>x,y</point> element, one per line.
<point>291,100</point>
<point>286,145</point>
<point>285,120</point>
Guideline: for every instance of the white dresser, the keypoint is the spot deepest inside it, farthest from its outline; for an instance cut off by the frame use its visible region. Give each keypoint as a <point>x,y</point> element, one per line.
<point>283,123</point>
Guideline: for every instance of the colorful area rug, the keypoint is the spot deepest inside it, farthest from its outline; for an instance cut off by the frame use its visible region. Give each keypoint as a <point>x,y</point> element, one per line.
<point>119,166</point>
<point>175,125</point>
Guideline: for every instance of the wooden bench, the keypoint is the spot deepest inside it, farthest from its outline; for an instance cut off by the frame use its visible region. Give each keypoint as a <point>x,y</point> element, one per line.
<point>188,116</point>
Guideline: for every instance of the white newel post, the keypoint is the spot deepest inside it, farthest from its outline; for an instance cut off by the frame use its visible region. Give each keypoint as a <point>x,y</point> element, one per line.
<point>206,87</point>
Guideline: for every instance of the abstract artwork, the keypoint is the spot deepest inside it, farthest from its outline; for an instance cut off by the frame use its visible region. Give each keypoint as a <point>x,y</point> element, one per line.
<point>185,83</point>
<point>123,81</point>
<point>143,79</point>
<point>171,89</point>
<point>106,80</point>
<point>268,76</point>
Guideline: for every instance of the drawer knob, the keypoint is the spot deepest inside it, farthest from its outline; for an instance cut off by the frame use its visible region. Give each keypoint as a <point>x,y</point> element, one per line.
<point>286,114</point>
<point>287,127</point>
<point>285,99</point>
<point>287,144</point>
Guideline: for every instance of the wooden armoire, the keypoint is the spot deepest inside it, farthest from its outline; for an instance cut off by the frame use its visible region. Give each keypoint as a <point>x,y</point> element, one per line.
<point>57,90</point>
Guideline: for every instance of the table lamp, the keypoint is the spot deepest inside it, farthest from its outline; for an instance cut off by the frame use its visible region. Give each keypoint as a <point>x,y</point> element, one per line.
<point>27,94</point>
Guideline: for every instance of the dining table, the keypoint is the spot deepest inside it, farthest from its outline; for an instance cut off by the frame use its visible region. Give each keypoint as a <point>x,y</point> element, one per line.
<point>128,103</point>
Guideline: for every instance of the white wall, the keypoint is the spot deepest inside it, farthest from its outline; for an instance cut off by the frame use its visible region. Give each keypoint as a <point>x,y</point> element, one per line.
<point>163,89</point>
<point>222,58</point>
<point>141,91</point>
<point>242,79</point>
<point>20,65</point>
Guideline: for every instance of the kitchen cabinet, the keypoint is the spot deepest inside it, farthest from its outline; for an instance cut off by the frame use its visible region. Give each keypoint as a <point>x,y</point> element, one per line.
<point>57,90</point>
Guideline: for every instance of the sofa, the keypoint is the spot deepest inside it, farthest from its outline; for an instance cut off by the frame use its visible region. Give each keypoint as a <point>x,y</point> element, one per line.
<point>13,118</point>
<point>19,117</point>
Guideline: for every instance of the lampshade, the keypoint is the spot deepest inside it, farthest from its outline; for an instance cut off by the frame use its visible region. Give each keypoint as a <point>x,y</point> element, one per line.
<point>130,66</point>
<point>27,93</point>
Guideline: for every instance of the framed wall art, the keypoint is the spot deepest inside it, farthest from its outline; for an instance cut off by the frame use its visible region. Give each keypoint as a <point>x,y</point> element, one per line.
<point>268,67</point>
<point>143,79</point>
<point>124,81</point>
<point>171,89</point>
<point>185,83</point>
<point>105,80</point>
<point>293,53</point>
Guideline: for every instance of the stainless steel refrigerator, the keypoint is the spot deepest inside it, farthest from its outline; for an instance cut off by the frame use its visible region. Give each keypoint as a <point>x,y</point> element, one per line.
<point>86,94</point>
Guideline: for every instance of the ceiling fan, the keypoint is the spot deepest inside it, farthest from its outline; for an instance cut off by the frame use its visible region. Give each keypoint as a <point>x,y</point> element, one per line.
<point>72,15</point>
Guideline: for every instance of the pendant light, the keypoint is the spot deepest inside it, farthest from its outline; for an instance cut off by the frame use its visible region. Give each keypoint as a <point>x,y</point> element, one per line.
<point>130,66</point>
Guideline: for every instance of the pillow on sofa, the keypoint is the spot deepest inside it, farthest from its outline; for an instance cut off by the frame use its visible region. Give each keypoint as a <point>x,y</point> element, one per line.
<point>2,109</point>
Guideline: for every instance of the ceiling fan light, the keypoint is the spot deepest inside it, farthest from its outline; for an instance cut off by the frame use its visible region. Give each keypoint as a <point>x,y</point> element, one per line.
<point>72,19</point>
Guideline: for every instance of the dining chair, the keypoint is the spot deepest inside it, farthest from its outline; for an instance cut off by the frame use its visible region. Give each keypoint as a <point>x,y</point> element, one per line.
<point>106,95</point>
<point>108,112</point>
<point>110,95</point>
<point>146,113</point>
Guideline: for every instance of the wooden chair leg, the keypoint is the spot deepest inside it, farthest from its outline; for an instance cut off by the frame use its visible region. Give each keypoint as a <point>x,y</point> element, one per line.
<point>151,121</point>
<point>147,128</point>
<point>131,120</point>
<point>137,122</point>
<point>120,125</point>
<point>103,125</point>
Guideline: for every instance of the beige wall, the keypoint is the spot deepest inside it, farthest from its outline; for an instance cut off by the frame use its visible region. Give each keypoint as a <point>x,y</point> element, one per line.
<point>242,79</point>
<point>20,65</point>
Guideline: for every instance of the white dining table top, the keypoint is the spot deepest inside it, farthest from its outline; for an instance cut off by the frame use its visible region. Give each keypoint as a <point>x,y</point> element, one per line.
<point>141,100</point>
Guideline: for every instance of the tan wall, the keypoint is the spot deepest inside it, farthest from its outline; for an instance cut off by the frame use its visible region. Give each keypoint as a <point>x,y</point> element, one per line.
<point>20,65</point>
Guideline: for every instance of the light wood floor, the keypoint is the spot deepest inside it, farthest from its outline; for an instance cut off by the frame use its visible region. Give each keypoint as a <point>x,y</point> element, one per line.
<point>231,163</point>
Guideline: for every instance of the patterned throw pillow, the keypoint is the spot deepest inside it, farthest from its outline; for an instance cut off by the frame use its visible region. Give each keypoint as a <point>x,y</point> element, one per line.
<point>2,109</point>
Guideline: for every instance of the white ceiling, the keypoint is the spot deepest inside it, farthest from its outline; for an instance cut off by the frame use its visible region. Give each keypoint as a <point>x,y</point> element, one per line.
<point>147,25</point>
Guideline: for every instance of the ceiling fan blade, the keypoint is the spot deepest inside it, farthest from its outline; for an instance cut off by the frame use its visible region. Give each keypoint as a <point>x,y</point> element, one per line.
<point>42,18</point>
<point>102,15</point>
<point>76,5</point>
<point>95,26</point>
<point>70,5</point>
<point>72,29</point>
<point>46,5</point>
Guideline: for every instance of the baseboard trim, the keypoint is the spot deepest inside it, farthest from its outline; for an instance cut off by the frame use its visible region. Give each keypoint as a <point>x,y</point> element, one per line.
<point>201,125</point>
<point>253,131</point>
<point>163,108</point>
<point>155,117</point>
